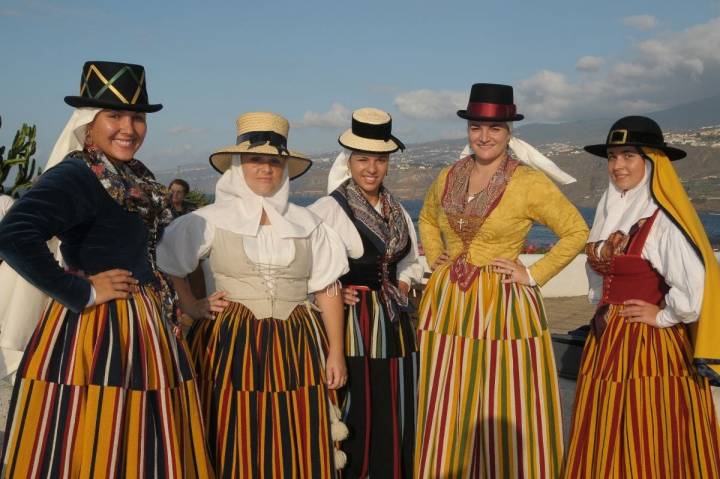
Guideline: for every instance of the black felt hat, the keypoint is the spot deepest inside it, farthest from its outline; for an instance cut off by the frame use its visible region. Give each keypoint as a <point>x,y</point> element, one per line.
<point>112,85</point>
<point>491,102</point>
<point>636,131</point>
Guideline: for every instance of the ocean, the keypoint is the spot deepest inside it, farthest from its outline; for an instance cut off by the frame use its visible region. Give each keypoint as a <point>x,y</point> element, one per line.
<point>542,237</point>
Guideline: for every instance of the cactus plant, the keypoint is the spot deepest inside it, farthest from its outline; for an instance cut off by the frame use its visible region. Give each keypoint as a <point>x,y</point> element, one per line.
<point>20,156</point>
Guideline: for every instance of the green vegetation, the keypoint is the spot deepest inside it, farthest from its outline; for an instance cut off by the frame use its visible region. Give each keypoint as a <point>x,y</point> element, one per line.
<point>198,198</point>
<point>19,156</point>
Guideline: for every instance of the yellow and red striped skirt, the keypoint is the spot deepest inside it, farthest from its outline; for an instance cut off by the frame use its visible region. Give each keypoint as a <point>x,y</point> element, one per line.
<point>106,393</point>
<point>268,403</point>
<point>488,394</point>
<point>641,410</point>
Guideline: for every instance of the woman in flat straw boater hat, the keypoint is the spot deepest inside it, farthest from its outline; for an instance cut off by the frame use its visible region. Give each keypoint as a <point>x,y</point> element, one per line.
<point>269,364</point>
<point>488,401</point>
<point>106,386</point>
<point>643,406</point>
<point>379,402</point>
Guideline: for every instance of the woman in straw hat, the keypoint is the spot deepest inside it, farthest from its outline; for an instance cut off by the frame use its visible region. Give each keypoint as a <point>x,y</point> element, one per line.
<point>379,402</point>
<point>643,406</point>
<point>270,365</point>
<point>105,387</point>
<point>488,393</point>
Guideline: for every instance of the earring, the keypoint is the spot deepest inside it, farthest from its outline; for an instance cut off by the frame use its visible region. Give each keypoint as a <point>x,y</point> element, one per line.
<point>89,147</point>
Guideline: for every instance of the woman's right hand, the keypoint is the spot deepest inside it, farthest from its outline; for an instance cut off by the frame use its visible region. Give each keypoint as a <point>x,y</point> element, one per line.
<point>442,259</point>
<point>207,308</point>
<point>350,296</point>
<point>113,284</point>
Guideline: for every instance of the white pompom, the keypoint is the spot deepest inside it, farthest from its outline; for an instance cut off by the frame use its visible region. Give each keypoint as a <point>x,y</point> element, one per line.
<point>338,431</point>
<point>340,459</point>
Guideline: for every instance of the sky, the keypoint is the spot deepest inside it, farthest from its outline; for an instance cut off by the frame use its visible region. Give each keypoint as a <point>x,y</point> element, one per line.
<point>315,62</point>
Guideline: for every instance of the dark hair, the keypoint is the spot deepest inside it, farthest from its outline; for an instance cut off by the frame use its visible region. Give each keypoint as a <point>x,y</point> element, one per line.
<point>183,183</point>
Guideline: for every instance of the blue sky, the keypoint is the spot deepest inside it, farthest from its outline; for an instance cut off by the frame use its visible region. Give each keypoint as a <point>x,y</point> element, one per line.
<point>314,62</point>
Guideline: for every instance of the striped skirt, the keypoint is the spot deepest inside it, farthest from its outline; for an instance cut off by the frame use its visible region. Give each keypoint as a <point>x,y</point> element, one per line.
<point>641,410</point>
<point>106,393</point>
<point>378,403</point>
<point>488,399</point>
<point>198,339</point>
<point>268,400</point>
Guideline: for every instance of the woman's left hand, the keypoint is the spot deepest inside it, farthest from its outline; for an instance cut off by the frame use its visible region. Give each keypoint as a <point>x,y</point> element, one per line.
<point>336,370</point>
<point>639,311</point>
<point>513,271</point>
<point>403,287</point>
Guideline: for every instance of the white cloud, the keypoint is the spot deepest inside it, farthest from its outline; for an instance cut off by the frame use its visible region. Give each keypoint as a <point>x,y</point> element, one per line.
<point>641,22</point>
<point>666,70</point>
<point>337,116</point>
<point>658,73</point>
<point>429,104</point>
<point>589,64</point>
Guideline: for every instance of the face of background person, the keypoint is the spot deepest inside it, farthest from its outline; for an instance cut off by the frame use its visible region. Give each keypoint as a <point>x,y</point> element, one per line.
<point>488,139</point>
<point>626,167</point>
<point>263,173</point>
<point>118,134</point>
<point>368,170</point>
<point>177,193</point>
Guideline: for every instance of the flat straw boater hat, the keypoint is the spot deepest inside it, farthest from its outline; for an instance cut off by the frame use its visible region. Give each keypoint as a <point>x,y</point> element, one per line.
<point>491,102</point>
<point>263,133</point>
<point>371,132</point>
<point>113,85</point>
<point>636,131</point>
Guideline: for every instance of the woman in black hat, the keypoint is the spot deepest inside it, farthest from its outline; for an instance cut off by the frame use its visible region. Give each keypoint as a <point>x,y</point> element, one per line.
<point>379,400</point>
<point>488,394</point>
<point>643,406</point>
<point>105,387</point>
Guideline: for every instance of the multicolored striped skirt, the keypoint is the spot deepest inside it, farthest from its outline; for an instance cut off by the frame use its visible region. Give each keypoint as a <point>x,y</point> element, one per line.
<point>198,339</point>
<point>378,403</point>
<point>641,410</point>
<point>269,403</point>
<point>488,399</point>
<point>106,393</point>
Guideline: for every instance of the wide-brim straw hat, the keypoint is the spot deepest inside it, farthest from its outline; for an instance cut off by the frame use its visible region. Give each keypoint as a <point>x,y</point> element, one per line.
<point>371,132</point>
<point>262,133</point>
<point>637,131</point>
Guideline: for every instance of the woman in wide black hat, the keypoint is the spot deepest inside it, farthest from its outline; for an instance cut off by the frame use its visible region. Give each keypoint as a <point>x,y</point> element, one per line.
<point>643,406</point>
<point>488,399</point>
<point>105,387</point>
<point>379,401</point>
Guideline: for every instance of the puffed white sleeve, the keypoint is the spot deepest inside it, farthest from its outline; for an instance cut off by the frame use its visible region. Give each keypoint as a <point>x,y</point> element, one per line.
<point>329,258</point>
<point>332,214</point>
<point>674,258</point>
<point>595,281</point>
<point>409,269</point>
<point>184,243</point>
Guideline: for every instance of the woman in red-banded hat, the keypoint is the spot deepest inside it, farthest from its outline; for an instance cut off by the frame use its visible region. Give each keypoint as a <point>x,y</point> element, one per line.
<point>488,393</point>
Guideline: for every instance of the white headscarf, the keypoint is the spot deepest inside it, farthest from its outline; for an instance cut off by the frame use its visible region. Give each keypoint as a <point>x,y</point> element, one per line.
<point>618,211</point>
<point>73,135</point>
<point>340,171</point>
<point>22,304</point>
<point>238,209</point>
<point>528,155</point>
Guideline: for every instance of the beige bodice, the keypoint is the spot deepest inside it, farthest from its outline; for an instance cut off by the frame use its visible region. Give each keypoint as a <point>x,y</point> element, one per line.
<point>266,290</point>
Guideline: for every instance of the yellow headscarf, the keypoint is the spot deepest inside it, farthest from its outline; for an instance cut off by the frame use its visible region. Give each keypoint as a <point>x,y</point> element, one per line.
<point>672,198</point>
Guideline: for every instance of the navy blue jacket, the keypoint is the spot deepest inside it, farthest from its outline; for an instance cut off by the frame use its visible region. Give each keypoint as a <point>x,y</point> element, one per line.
<point>97,234</point>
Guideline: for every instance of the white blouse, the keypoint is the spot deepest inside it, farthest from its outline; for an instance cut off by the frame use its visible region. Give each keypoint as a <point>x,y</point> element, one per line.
<point>189,238</point>
<point>409,269</point>
<point>671,255</point>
